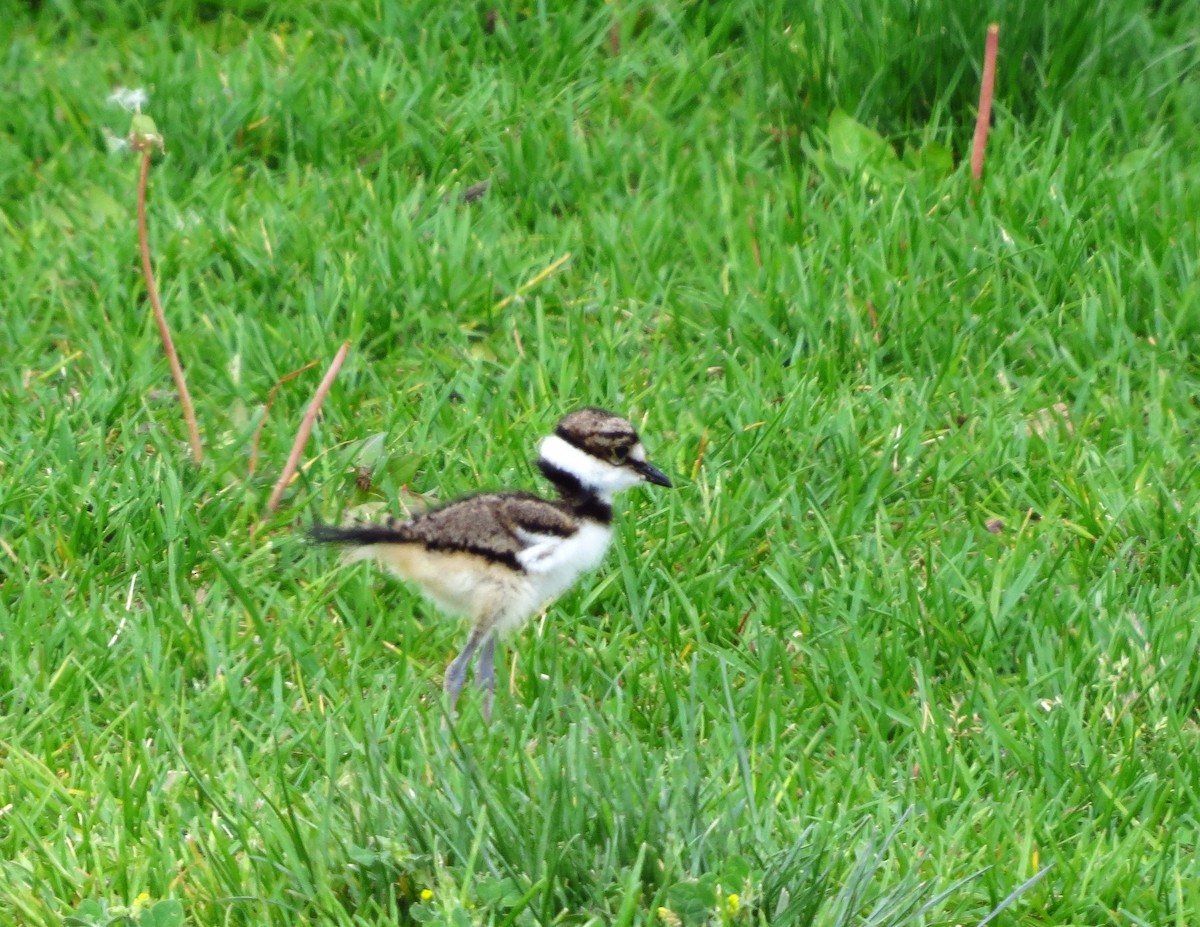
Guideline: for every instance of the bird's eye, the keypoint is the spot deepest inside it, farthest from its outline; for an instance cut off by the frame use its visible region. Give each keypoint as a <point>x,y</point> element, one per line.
<point>620,453</point>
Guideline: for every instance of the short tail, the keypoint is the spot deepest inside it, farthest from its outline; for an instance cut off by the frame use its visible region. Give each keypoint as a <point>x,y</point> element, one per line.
<point>358,540</point>
<point>357,535</point>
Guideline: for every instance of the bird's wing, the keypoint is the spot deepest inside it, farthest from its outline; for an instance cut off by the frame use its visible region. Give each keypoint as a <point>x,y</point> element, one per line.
<point>502,526</point>
<point>527,516</point>
<point>546,530</point>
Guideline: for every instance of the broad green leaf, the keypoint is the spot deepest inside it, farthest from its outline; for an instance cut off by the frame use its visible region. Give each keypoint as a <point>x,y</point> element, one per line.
<point>694,902</point>
<point>934,159</point>
<point>168,913</point>
<point>90,913</point>
<point>856,148</point>
<point>735,873</point>
<point>370,453</point>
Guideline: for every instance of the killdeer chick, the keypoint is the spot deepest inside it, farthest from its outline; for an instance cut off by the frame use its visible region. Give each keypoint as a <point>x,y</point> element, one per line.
<point>498,558</point>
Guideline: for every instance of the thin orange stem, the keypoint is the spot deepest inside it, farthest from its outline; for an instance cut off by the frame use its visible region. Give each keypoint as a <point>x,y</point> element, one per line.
<point>987,87</point>
<point>267,411</point>
<point>306,426</point>
<point>185,399</point>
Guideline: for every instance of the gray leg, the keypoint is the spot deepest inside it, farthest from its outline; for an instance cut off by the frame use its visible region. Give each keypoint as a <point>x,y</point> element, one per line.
<point>456,673</point>
<point>485,675</point>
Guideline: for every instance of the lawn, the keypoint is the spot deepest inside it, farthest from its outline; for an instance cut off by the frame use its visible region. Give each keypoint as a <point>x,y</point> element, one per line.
<point>914,640</point>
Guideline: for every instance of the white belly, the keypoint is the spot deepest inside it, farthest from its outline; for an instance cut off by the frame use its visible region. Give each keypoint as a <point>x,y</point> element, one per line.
<point>465,584</point>
<point>554,564</point>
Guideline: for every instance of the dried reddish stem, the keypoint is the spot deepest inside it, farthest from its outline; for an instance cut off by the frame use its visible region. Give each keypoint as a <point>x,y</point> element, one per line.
<point>314,407</point>
<point>185,398</point>
<point>267,411</point>
<point>754,240</point>
<point>737,635</point>
<point>874,320</point>
<point>700,454</point>
<point>986,88</point>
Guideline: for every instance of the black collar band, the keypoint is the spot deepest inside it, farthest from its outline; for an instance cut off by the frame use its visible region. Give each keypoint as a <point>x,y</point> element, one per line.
<point>582,501</point>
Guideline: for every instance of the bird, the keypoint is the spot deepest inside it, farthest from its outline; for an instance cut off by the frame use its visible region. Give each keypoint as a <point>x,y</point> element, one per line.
<point>498,558</point>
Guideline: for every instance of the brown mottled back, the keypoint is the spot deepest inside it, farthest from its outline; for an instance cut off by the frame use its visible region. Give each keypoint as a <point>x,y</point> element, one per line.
<point>494,526</point>
<point>492,521</point>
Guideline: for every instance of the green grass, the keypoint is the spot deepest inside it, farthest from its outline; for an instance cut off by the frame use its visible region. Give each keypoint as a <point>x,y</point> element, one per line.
<point>920,619</point>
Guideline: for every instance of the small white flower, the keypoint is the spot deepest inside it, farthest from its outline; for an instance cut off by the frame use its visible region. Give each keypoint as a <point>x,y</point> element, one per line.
<point>130,99</point>
<point>115,143</point>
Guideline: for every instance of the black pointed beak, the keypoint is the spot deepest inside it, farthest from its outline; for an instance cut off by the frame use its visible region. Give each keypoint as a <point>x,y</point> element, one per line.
<point>651,473</point>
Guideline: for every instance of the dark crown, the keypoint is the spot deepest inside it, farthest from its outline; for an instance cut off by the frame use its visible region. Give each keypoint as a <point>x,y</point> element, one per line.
<point>602,434</point>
